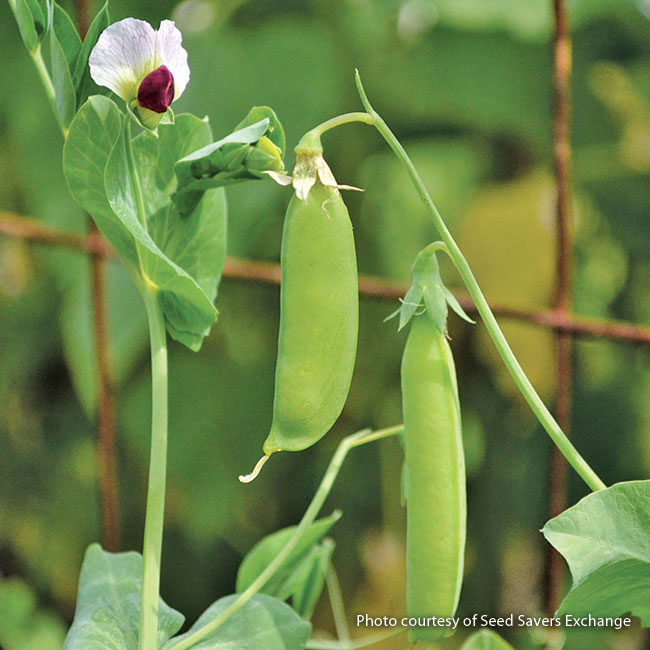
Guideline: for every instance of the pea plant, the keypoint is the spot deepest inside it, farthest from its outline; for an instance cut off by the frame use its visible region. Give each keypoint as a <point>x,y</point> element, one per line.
<point>154,182</point>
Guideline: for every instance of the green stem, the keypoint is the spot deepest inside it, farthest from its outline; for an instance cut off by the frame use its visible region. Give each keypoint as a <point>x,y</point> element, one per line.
<point>310,142</point>
<point>154,517</point>
<point>354,440</point>
<point>43,73</point>
<point>153,526</point>
<point>338,606</point>
<point>48,86</point>
<point>523,383</point>
<point>133,172</point>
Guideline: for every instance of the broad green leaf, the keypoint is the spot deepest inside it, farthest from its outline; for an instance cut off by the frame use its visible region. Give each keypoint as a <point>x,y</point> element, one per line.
<point>90,140</point>
<point>282,584</point>
<point>197,239</point>
<point>107,616</point>
<point>81,79</point>
<point>309,588</point>
<point>605,538</point>
<point>22,625</point>
<point>486,640</point>
<point>67,36</point>
<point>95,162</point>
<point>264,623</point>
<point>26,25</point>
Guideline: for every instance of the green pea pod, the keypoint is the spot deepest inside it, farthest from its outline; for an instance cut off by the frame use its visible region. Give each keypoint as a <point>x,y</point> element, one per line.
<point>318,322</point>
<point>436,506</point>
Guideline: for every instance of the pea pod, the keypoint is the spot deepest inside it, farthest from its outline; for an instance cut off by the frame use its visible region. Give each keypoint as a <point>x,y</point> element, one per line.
<point>436,507</point>
<point>319,313</point>
<point>434,477</point>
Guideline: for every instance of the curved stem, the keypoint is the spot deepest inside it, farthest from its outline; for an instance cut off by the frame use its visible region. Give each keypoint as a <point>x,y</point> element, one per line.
<point>354,440</point>
<point>523,383</point>
<point>310,142</point>
<point>153,527</point>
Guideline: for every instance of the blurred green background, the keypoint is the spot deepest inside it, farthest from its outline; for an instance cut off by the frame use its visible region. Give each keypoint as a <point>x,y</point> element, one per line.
<point>466,85</point>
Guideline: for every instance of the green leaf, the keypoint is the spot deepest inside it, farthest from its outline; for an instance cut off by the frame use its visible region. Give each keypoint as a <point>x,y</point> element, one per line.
<point>605,538</point>
<point>282,585</point>
<point>81,80</point>
<point>26,25</point>
<point>264,623</point>
<point>67,36</point>
<point>182,256</point>
<point>197,241</point>
<point>101,182</point>
<point>486,640</point>
<point>90,140</point>
<point>107,616</point>
<point>188,311</point>
<point>309,588</point>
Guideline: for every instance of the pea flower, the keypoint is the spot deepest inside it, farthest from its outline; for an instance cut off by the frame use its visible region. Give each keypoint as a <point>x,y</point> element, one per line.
<point>146,68</point>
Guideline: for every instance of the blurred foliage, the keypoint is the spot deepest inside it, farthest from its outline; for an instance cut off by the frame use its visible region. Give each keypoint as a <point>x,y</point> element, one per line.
<point>466,85</point>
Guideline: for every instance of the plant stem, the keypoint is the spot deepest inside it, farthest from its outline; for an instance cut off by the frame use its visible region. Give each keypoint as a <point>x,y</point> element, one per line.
<point>338,606</point>
<point>133,173</point>
<point>523,383</point>
<point>354,440</point>
<point>48,86</point>
<point>153,526</point>
<point>155,512</point>
<point>310,142</point>
<point>43,73</point>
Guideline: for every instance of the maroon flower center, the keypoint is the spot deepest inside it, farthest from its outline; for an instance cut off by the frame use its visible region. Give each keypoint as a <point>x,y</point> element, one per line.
<point>156,91</point>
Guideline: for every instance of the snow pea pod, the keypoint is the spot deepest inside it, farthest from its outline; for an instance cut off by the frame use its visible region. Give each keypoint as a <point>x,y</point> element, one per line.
<point>318,318</point>
<point>435,477</point>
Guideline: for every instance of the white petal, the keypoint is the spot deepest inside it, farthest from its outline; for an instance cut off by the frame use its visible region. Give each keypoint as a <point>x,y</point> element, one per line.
<point>123,56</point>
<point>170,52</point>
<point>280,179</point>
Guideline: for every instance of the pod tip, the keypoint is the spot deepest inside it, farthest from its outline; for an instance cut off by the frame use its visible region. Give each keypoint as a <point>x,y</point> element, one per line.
<point>247,478</point>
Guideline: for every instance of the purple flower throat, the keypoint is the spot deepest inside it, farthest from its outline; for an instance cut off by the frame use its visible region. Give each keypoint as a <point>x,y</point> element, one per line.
<point>156,91</point>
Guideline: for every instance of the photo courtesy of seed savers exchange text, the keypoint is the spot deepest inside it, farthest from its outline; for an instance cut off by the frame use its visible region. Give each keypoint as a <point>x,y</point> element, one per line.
<point>158,197</point>
<point>485,620</point>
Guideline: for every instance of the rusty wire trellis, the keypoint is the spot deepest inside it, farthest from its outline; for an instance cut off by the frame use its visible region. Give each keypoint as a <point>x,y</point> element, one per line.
<point>560,318</point>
